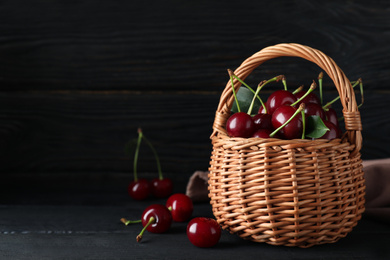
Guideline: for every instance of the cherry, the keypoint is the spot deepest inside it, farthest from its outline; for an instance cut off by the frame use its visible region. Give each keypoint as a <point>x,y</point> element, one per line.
<point>240,124</point>
<point>288,116</point>
<point>331,116</point>
<point>263,133</point>
<point>139,189</point>
<point>310,98</point>
<point>181,207</point>
<point>161,188</point>
<point>262,121</point>
<point>203,232</point>
<point>334,131</point>
<point>314,109</point>
<point>279,98</point>
<point>156,218</point>
<point>261,110</point>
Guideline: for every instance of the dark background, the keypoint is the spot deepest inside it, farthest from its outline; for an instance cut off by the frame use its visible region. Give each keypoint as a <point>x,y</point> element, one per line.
<point>77,78</point>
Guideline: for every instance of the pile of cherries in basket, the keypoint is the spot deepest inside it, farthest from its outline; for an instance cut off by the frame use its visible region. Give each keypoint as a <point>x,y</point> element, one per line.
<point>297,114</point>
<point>158,218</point>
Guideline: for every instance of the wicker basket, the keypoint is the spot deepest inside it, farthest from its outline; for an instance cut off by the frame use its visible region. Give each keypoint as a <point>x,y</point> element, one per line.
<point>288,192</point>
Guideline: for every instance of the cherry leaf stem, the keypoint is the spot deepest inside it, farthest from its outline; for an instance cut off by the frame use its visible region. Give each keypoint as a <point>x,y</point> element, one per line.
<point>284,82</point>
<point>251,89</point>
<point>151,221</point>
<point>320,77</point>
<point>135,162</point>
<point>127,222</point>
<point>354,84</point>
<point>260,86</point>
<point>160,175</point>
<point>312,87</point>
<point>299,89</point>
<point>299,110</point>
<point>233,89</point>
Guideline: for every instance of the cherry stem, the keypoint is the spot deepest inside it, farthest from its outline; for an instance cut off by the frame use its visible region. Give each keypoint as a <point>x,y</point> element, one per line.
<point>151,221</point>
<point>136,154</point>
<point>259,87</point>
<point>320,77</point>
<point>127,222</point>
<point>299,110</point>
<point>354,84</point>
<point>312,87</point>
<point>299,89</point>
<point>251,89</point>
<point>160,175</point>
<point>284,82</point>
<point>234,91</point>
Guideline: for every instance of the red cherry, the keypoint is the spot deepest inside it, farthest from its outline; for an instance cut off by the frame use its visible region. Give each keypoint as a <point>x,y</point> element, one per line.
<point>181,207</point>
<point>156,219</point>
<point>279,98</point>
<point>161,188</point>
<point>262,121</point>
<point>313,109</point>
<point>263,133</point>
<point>203,232</point>
<point>139,189</point>
<point>310,98</point>
<point>294,128</point>
<point>331,116</point>
<point>261,110</point>
<point>240,124</point>
<point>334,131</point>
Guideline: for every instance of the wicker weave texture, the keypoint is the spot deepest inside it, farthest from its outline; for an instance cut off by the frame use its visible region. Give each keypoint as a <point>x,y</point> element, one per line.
<point>288,192</point>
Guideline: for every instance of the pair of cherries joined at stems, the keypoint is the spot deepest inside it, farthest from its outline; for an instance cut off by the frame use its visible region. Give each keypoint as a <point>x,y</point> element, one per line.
<point>141,188</point>
<point>157,218</point>
<point>284,114</point>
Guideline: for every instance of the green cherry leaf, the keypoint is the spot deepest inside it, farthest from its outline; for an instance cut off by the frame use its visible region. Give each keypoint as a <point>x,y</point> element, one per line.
<point>315,127</point>
<point>244,97</point>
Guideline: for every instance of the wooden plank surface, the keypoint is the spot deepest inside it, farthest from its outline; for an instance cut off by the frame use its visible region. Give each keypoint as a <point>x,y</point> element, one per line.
<point>95,232</point>
<point>156,45</point>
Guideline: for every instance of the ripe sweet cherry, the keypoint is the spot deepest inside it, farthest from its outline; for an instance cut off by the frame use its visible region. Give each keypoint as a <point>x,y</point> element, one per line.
<point>138,189</point>
<point>331,116</point>
<point>334,131</point>
<point>240,124</point>
<point>314,109</point>
<point>160,187</point>
<point>203,232</point>
<point>279,98</point>
<point>288,121</point>
<point>156,219</point>
<point>181,207</point>
<point>262,121</point>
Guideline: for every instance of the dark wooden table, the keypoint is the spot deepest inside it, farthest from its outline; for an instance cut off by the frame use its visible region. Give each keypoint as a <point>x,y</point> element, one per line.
<point>54,221</point>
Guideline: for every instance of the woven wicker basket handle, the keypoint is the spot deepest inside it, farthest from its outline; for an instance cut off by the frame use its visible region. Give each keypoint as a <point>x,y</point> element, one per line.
<point>351,113</point>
